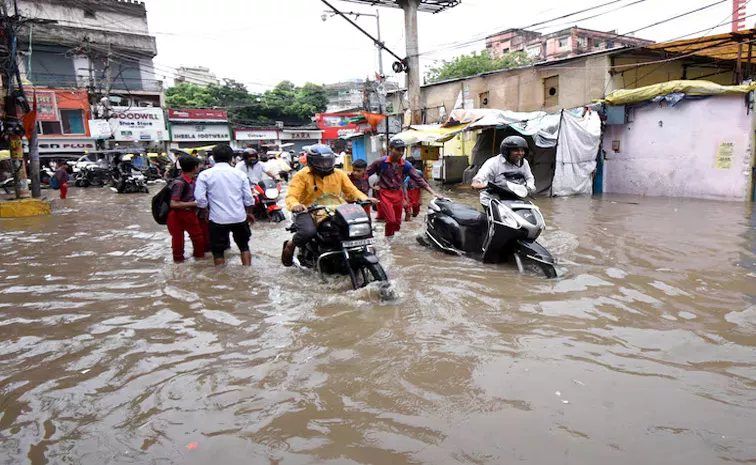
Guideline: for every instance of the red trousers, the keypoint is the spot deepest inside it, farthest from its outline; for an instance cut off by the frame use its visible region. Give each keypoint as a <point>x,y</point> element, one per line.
<point>63,190</point>
<point>413,201</point>
<point>391,206</point>
<point>180,221</point>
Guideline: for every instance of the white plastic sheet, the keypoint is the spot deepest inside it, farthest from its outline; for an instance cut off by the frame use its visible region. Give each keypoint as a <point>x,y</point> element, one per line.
<point>579,140</point>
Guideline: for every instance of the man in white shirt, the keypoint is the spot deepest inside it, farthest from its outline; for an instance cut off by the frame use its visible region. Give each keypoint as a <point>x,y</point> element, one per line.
<point>254,170</point>
<point>226,192</point>
<point>510,165</point>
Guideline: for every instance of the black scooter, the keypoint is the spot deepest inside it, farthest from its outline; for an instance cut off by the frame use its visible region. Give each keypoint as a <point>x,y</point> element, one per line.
<point>128,180</point>
<point>508,229</point>
<point>343,245</point>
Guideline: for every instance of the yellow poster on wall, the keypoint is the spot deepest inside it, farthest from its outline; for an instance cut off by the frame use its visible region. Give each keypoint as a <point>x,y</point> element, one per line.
<point>724,156</point>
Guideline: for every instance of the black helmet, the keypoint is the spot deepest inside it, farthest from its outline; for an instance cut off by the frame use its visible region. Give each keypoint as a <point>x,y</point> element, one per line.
<point>512,142</point>
<point>397,144</point>
<point>264,157</point>
<point>320,159</point>
<point>250,156</point>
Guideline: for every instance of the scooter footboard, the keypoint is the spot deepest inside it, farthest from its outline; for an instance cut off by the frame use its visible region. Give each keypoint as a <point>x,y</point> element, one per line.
<point>535,251</point>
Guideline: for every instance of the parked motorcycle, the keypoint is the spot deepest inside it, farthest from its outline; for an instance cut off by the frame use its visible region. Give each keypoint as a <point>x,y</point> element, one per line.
<point>507,231</point>
<point>92,175</point>
<point>267,193</point>
<point>343,245</point>
<point>126,181</point>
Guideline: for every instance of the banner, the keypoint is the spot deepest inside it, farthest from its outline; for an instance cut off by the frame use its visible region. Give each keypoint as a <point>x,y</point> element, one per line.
<point>47,106</point>
<point>198,115</point>
<point>138,124</point>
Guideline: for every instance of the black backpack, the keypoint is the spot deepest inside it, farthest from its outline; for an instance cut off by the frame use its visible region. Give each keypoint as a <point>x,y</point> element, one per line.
<point>161,203</point>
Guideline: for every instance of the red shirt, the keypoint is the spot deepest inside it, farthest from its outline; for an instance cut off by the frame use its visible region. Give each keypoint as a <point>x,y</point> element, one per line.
<point>182,189</point>
<point>392,177</point>
<point>360,183</point>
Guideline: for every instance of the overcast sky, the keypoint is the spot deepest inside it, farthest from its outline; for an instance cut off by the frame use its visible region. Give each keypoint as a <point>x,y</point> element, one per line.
<point>261,42</point>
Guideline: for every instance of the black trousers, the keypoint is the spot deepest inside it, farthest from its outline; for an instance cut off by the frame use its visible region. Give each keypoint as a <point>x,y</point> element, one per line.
<point>219,240</point>
<point>305,229</point>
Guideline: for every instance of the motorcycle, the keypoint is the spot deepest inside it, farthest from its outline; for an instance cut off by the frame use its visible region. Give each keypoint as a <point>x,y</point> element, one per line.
<point>343,245</point>
<point>266,193</point>
<point>126,181</point>
<point>508,229</point>
<point>92,175</point>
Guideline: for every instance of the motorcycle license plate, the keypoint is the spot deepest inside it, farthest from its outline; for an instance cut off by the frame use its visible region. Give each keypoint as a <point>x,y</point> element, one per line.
<point>357,243</point>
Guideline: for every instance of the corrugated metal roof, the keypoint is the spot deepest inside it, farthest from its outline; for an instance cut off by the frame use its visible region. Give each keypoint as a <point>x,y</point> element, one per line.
<point>720,46</point>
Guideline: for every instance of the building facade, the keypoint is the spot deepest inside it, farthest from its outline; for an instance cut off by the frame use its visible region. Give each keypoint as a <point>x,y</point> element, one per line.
<point>556,45</point>
<point>91,54</point>
<point>198,75</point>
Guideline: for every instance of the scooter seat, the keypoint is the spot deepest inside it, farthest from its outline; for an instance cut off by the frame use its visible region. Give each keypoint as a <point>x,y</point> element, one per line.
<point>464,215</point>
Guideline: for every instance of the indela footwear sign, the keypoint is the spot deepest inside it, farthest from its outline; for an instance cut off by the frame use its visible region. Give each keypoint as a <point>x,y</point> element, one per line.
<point>138,124</point>
<point>200,133</point>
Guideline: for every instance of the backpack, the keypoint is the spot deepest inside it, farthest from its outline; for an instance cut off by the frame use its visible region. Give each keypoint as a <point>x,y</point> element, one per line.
<point>161,203</point>
<point>54,182</point>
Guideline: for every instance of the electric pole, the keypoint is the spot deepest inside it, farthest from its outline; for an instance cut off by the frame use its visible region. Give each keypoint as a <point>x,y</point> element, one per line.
<point>413,59</point>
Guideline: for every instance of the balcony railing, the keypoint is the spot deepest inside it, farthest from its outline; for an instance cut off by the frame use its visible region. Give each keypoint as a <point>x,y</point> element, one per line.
<point>61,81</point>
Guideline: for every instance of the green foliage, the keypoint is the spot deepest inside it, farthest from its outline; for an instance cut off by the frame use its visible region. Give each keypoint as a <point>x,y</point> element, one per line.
<point>475,63</point>
<point>285,102</point>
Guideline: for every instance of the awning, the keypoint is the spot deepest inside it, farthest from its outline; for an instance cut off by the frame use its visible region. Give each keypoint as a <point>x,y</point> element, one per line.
<point>429,133</point>
<point>692,88</point>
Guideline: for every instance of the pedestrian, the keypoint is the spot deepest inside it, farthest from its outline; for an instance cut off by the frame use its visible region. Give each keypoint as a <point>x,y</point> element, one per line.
<point>226,191</point>
<point>61,174</point>
<point>391,172</point>
<point>413,195</point>
<point>183,215</point>
<point>359,178</point>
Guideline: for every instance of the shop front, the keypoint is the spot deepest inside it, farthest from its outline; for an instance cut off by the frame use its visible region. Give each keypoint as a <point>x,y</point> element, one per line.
<point>336,126</point>
<point>256,138</point>
<point>298,138</point>
<point>194,128</point>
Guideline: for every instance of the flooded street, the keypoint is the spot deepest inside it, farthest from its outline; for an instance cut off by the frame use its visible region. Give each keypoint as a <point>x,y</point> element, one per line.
<point>644,352</point>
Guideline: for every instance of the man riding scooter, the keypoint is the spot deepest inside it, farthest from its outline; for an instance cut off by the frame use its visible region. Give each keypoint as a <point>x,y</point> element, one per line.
<point>251,166</point>
<point>318,183</point>
<point>510,165</point>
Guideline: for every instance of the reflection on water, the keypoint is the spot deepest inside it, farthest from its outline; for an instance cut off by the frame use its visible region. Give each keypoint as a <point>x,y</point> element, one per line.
<point>642,353</point>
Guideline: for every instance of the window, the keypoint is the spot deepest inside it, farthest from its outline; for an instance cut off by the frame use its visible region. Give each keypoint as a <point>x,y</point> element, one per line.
<point>609,44</point>
<point>551,91</point>
<point>90,14</point>
<point>72,121</point>
<point>534,52</point>
<point>564,41</point>
<point>596,43</point>
<point>483,99</point>
<point>504,51</point>
<point>49,127</point>
<point>581,42</point>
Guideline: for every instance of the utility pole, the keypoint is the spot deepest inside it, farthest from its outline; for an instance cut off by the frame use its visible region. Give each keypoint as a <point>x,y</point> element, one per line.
<point>413,59</point>
<point>13,129</point>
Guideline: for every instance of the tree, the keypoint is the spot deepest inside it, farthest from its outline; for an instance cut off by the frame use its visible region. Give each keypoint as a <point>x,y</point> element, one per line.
<point>187,95</point>
<point>475,63</point>
<point>286,102</point>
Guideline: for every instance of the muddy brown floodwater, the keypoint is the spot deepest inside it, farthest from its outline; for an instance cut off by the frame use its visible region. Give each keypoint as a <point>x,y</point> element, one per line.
<point>644,352</point>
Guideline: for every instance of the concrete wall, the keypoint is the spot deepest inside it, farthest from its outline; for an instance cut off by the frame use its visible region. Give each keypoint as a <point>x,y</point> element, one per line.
<point>633,77</point>
<point>114,15</point>
<point>672,151</point>
<point>580,82</point>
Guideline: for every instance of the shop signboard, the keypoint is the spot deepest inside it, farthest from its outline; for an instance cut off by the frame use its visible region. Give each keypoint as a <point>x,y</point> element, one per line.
<point>138,124</point>
<point>199,133</point>
<point>47,106</point>
<point>256,134</point>
<point>65,145</point>
<point>193,114</point>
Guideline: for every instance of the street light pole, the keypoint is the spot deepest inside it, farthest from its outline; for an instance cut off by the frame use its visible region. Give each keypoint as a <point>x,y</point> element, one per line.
<point>380,50</point>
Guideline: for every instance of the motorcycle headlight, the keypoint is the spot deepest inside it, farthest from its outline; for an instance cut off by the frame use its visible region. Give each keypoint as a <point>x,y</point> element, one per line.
<point>271,193</point>
<point>359,230</point>
<point>508,218</point>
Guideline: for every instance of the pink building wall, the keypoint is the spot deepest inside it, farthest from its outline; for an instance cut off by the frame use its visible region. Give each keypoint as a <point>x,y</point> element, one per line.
<point>672,151</point>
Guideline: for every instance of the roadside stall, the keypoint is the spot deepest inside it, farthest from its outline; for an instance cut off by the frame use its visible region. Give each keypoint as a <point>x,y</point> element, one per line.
<point>563,146</point>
